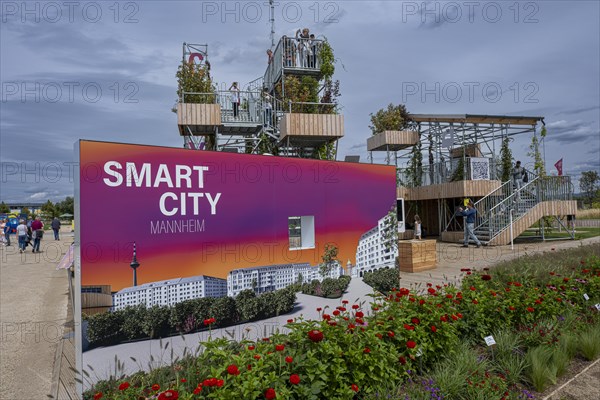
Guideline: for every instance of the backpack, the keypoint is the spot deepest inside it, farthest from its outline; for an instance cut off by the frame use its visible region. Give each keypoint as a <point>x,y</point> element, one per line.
<point>525,177</point>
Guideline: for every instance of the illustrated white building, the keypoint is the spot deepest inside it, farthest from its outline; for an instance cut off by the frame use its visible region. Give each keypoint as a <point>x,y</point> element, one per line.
<point>373,252</point>
<point>275,277</point>
<point>170,292</point>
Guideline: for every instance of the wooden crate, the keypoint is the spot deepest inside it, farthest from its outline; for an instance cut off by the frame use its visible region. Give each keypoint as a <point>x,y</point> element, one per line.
<point>417,255</point>
<point>312,126</point>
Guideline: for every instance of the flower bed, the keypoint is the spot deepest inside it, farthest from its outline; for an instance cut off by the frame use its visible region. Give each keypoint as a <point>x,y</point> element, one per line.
<point>403,344</point>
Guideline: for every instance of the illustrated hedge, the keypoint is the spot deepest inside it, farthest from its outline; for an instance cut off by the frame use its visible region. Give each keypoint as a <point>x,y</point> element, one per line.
<point>329,287</point>
<point>139,322</point>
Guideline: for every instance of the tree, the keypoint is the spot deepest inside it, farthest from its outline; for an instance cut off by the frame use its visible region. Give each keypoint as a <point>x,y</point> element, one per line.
<point>194,78</point>
<point>390,230</point>
<point>394,118</point>
<point>588,184</point>
<point>506,159</point>
<point>49,210</point>
<point>67,206</point>
<point>4,208</point>
<point>25,211</point>
<point>329,259</point>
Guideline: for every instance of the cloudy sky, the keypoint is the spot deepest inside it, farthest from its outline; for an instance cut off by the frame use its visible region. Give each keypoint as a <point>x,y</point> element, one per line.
<point>106,71</point>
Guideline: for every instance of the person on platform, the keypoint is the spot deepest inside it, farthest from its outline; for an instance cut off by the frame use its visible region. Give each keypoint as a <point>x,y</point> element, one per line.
<point>470,213</point>
<point>517,175</point>
<point>235,98</point>
<point>37,227</point>
<point>56,228</point>
<point>269,56</point>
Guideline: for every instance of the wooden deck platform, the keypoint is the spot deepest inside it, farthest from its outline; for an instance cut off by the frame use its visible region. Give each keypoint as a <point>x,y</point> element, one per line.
<point>311,129</point>
<point>449,190</point>
<point>392,140</point>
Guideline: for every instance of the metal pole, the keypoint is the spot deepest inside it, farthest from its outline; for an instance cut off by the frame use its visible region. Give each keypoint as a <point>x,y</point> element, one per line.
<point>510,216</point>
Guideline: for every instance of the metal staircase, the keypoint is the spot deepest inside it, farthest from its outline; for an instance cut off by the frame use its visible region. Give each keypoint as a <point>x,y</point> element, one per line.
<point>506,204</point>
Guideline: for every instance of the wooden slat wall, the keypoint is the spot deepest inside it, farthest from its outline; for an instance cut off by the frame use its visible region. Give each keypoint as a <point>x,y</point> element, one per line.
<point>452,237</point>
<point>396,139</point>
<point>89,300</point>
<point>323,125</point>
<point>543,209</point>
<point>449,190</point>
<point>198,114</point>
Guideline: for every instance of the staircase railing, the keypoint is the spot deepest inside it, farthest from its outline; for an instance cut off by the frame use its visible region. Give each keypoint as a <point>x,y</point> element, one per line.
<point>521,201</point>
<point>492,199</point>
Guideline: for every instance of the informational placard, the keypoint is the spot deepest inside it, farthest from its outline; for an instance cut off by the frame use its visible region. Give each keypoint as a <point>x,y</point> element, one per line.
<point>489,340</point>
<point>586,297</point>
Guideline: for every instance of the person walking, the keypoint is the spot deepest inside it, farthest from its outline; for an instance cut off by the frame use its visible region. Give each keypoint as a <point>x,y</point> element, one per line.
<point>22,235</point>
<point>517,175</point>
<point>37,226</point>
<point>470,214</point>
<point>56,228</point>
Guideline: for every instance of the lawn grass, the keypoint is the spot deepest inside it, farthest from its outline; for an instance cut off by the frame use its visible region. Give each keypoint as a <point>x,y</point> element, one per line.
<point>580,233</point>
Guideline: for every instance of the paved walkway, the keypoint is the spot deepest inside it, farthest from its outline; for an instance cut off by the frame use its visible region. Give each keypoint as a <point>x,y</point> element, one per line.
<point>451,258</point>
<point>33,310</point>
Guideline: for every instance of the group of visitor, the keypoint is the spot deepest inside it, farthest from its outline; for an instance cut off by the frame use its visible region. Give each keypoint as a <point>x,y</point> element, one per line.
<point>300,51</point>
<point>29,233</point>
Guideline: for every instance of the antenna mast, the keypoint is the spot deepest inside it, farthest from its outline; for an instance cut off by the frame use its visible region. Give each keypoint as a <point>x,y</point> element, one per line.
<point>272,20</point>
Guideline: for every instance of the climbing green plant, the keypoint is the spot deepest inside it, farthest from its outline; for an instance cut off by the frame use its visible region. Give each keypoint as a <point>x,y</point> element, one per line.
<point>415,165</point>
<point>534,152</point>
<point>327,60</point>
<point>506,159</point>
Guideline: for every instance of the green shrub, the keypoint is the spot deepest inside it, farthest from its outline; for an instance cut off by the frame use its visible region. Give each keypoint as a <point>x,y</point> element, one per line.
<point>383,280</point>
<point>156,322</point>
<point>105,328</point>
<point>132,322</point>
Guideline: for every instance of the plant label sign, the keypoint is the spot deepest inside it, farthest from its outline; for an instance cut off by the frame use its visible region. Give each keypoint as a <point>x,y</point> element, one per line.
<point>586,297</point>
<point>419,352</point>
<point>489,340</point>
<point>598,306</point>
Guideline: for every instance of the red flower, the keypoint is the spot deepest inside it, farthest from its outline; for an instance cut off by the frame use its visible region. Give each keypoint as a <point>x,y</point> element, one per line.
<point>391,334</point>
<point>408,327</point>
<point>233,370</point>
<point>326,317</point>
<point>421,302</point>
<point>459,315</point>
<point>249,367</point>
<point>444,318</point>
<point>454,317</point>
<point>98,396</point>
<point>415,321</point>
<point>319,309</point>
<point>279,347</point>
<point>251,347</point>
<point>433,328</point>
<point>315,335</point>
<point>270,394</point>
<point>354,388</point>
<point>475,302</point>
<point>359,314</point>
<point>486,277</point>
<point>183,380</point>
<point>209,321</point>
<point>220,382</point>
<point>473,288</point>
<point>336,312</point>
<point>431,290</point>
<point>289,321</point>
<point>168,395</point>
<point>402,360</point>
<point>289,359</point>
<point>256,357</point>
<point>566,279</point>
<point>294,379</point>
<point>124,386</point>
<point>198,390</point>
<point>367,350</point>
<point>355,306</point>
<point>530,309</point>
<point>410,344</point>
<point>156,387</point>
<point>448,296</point>
<point>511,308</point>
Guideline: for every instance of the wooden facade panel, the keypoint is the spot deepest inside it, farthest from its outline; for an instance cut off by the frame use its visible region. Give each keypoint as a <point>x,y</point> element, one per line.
<point>449,190</point>
<point>392,140</point>
<point>198,114</point>
<point>312,125</point>
<point>471,150</point>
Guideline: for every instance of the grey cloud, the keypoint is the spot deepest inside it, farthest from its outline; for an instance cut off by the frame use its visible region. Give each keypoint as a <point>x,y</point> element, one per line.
<point>579,110</point>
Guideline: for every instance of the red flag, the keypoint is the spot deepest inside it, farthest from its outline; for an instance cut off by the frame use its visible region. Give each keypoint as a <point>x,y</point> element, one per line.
<point>558,166</point>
